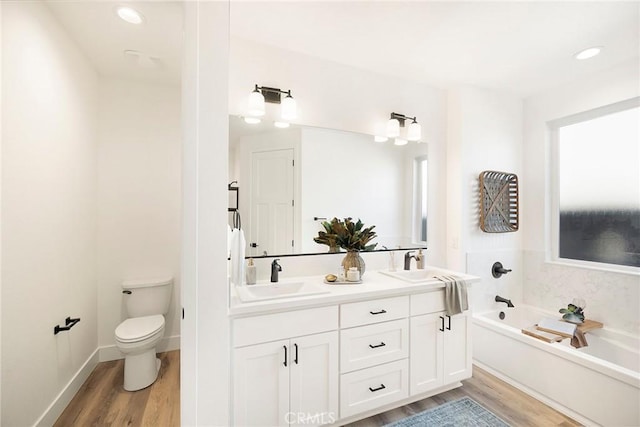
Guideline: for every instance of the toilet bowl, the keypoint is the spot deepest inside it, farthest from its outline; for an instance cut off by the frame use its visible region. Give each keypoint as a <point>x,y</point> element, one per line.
<point>137,339</point>
<point>146,302</point>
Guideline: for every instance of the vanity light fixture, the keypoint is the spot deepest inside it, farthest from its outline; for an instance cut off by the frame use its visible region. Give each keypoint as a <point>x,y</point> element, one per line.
<point>414,131</point>
<point>129,15</point>
<point>262,94</point>
<point>400,141</point>
<point>588,53</point>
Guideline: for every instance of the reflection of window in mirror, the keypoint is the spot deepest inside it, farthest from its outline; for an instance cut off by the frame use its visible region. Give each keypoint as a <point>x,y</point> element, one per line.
<point>419,233</point>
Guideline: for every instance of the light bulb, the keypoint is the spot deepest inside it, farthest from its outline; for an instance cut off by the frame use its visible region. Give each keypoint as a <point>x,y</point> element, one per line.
<point>256,103</point>
<point>288,108</point>
<point>400,141</point>
<point>129,15</point>
<point>281,125</point>
<point>588,53</point>
<point>380,138</point>
<point>414,133</point>
<point>393,128</point>
<point>252,120</point>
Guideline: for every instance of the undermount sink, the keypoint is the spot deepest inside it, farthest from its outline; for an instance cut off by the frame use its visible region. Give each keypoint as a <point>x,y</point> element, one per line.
<point>413,276</point>
<point>269,291</point>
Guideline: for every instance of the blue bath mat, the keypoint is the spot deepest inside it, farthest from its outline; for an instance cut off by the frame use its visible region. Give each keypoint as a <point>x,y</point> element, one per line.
<point>462,412</point>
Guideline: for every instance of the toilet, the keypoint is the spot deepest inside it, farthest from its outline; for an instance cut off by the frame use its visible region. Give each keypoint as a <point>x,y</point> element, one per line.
<point>146,303</point>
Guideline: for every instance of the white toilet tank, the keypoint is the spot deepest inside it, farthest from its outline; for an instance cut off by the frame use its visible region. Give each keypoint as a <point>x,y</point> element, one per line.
<point>147,297</point>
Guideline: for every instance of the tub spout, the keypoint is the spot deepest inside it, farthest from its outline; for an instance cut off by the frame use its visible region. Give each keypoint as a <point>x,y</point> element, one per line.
<point>504,300</point>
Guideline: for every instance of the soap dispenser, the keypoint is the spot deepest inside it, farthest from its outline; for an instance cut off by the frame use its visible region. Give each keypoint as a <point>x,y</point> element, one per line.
<point>420,260</point>
<point>251,272</point>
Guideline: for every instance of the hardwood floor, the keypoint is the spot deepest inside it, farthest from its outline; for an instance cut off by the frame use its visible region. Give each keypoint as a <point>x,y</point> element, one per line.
<point>102,401</point>
<point>513,406</point>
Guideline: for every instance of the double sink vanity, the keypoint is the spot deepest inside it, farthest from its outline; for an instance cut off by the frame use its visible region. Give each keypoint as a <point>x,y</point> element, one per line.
<point>310,353</point>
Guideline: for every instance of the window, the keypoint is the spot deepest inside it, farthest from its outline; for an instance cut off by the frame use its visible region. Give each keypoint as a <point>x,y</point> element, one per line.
<point>597,186</point>
<point>420,200</point>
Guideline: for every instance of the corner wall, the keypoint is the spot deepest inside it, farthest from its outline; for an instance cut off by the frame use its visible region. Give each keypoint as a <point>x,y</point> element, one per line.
<point>48,214</point>
<point>613,298</point>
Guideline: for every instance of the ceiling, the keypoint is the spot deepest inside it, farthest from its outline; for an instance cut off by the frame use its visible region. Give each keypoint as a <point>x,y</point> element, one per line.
<point>514,46</point>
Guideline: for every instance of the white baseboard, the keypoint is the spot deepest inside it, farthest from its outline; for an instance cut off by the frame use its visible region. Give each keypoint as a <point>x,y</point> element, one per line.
<point>51,414</point>
<point>111,352</point>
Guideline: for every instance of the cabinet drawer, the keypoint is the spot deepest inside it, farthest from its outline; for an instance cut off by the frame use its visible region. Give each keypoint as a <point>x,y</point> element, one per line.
<point>373,311</point>
<point>271,327</point>
<point>371,345</point>
<point>373,387</point>
<point>428,302</point>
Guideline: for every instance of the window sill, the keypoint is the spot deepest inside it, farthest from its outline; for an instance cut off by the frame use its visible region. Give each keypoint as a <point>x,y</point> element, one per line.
<point>588,265</point>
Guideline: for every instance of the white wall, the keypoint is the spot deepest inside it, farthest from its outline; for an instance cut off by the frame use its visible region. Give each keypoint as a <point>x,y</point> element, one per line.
<point>336,96</point>
<point>484,133</point>
<point>48,211</point>
<point>139,198</point>
<point>613,298</point>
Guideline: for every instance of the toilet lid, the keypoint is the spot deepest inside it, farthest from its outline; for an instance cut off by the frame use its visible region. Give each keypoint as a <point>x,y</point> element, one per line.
<point>139,328</point>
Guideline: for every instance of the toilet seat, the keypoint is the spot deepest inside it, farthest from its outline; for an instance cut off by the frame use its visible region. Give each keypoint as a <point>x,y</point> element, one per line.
<point>139,328</point>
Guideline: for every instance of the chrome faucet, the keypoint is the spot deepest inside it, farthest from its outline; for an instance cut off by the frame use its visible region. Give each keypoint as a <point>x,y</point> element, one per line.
<point>504,300</point>
<point>407,260</point>
<point>275,268</point>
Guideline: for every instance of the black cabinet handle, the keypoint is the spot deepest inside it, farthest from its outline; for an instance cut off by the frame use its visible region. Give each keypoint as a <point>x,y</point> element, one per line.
<point>296,359</point>
<point>126,292</point>
<point>449,326</point>
<point>442,327</point>
<point>285,354</point>
<point>382,387</point>
<point>382,344</point>
<point>378,312</point>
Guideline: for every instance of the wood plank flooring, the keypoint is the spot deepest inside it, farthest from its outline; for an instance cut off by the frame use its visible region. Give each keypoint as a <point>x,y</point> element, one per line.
<point>102,401</point>
<point>515,407</point>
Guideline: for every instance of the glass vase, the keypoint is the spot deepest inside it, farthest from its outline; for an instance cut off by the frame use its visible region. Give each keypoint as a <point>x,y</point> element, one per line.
<point>353,259</point>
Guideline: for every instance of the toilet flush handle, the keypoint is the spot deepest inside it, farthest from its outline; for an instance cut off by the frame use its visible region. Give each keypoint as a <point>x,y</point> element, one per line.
<point>126,292</point>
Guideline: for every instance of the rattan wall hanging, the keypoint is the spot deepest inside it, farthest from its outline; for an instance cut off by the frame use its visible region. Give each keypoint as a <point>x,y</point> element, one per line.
<point>499,208</point>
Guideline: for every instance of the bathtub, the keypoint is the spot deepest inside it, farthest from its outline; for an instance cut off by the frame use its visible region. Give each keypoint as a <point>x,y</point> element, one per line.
<point>595,385</point>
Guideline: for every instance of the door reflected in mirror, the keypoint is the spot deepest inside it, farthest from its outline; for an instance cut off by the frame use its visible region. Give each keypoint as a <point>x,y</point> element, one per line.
<point>292,179</point>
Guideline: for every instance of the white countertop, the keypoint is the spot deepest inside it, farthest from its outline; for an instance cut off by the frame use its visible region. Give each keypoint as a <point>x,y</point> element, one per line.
<point>374,285</point>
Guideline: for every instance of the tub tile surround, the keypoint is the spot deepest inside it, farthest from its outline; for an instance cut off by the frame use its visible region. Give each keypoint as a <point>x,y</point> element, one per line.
<point>611,298</point>
<point>482,294</point>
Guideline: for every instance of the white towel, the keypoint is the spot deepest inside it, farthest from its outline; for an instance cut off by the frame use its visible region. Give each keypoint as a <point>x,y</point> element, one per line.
<point>455,295</point>
<point>238,245</point>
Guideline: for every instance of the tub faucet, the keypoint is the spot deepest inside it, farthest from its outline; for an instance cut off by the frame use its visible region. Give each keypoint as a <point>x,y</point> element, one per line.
<point>407,260</point>
<point>275,268</point>
<point>504,300</point>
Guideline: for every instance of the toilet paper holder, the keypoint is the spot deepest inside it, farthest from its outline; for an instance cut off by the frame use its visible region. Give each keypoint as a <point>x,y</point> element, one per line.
<point>69,323</point>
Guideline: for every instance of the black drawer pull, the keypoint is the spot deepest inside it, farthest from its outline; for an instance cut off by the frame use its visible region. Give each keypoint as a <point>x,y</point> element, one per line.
<point>378,312</point>
<point>442,327</point>
<point>285,354</point>
<point>382,387</point>
<point>449,326</point>
<point>378,345</point>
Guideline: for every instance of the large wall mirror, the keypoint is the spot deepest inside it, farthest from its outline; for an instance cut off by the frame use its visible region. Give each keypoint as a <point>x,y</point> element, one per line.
<point>290,180</point>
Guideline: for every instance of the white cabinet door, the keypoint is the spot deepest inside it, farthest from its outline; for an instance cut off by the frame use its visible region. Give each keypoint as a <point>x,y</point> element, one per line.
<point>457,348</point>
<point>426,338</point>
<point>314,379</point>
<point>261,384</point>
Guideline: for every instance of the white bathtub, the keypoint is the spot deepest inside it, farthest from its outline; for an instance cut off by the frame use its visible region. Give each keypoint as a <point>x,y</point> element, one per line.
<point>595,385</point>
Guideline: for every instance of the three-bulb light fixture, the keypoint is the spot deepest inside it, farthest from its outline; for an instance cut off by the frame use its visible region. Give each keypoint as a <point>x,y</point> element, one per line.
<point>262,94</point>
<point>392,130</point>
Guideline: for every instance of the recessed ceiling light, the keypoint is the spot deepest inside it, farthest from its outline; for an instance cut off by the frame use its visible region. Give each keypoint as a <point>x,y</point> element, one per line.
<point>588,53</point>
<point>129,15</point>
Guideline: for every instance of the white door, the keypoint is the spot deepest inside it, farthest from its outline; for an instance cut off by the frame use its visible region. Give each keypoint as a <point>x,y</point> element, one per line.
<point>426,338</point>
<point>261,384</point>
<point>314,379</point>
<point>457,348</point>
<point>272,202</point>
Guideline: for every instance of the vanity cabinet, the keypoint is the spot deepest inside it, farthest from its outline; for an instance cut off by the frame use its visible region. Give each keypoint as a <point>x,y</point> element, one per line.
<point>289,381</point>
<point>440,350</point>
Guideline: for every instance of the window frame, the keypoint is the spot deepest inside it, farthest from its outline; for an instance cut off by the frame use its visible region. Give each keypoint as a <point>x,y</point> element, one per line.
<point>553,243</point>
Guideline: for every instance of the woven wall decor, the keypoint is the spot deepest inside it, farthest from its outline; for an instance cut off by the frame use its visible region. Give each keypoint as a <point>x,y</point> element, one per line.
<point>499,209</point>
